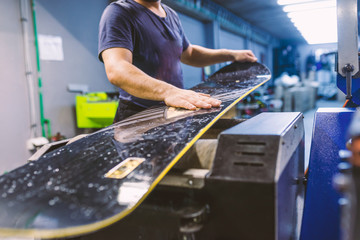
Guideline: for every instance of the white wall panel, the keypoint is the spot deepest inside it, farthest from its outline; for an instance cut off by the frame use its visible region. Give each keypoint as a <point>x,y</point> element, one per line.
<point>230,40</point>
<point>14,120</point>
<point>79,32</point>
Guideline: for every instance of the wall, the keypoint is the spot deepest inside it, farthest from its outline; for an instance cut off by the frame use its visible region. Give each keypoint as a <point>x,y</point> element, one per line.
<point>195,32</point>
<point>78,27</point>
<point>262,53</point>
<point>14,120</point>
<point>233,41</point>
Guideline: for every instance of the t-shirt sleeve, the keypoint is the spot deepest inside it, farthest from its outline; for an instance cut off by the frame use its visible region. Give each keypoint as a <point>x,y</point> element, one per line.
<point>115,29</point>
<point>185,41</point>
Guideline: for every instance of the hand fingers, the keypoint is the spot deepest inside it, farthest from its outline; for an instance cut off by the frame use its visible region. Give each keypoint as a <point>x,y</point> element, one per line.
<point>212,101</point>
<point>182,104</point>
<point>253,59</point>
<point>191,100</point>
<point>187,105</point>
<point>245,56</point>
<point>205,101</point>
<point>204,94</point>
<point>200,103</point>
<point>206,98</point>
<point>250,56</point>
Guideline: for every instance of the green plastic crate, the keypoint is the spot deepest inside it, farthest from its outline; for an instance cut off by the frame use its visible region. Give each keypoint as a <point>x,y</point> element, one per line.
<point>95,110</point>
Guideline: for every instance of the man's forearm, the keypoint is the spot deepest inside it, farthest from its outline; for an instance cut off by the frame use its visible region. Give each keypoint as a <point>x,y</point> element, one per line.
<point>122,73</point>
<point>131,79</point>
<point>198,56</point>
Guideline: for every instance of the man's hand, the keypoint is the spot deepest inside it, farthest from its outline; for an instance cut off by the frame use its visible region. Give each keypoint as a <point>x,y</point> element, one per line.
<point>244,56</point>
<point>189,99</point>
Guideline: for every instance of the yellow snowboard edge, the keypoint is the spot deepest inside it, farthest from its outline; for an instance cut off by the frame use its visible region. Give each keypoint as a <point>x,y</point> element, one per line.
<point>85,229</point>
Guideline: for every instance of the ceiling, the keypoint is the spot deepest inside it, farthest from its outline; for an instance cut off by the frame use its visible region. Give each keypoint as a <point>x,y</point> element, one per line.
<point>266,15</point>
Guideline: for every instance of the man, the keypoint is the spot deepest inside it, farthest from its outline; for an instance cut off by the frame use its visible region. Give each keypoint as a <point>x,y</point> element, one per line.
<point>142,43</point>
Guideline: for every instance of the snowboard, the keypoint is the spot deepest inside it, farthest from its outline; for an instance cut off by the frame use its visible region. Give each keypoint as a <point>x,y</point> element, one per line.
<point>98,180</point>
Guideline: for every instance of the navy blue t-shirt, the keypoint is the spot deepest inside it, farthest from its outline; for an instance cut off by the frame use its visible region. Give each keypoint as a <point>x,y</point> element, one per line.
<point>155,42</point>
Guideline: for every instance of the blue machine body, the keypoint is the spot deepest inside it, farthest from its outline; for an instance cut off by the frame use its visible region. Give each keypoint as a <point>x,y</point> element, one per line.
<point>321,218</point>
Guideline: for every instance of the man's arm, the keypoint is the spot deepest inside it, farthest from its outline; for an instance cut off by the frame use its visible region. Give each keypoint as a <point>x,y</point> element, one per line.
<point>198,56</point>
<point>122,73</point>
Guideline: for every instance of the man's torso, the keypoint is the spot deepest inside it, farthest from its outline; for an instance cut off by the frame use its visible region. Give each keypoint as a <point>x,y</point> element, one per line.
<point>156,43</point>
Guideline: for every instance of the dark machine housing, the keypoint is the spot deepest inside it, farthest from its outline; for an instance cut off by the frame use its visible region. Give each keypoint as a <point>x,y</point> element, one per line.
<point>253,188</point>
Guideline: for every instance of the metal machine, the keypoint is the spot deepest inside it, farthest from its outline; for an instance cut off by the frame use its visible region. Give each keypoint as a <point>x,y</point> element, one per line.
<point>348,60</point>
<point>331,210</point>
<point>241,180</point>
<point>247,184</point>
<point>248,181</point>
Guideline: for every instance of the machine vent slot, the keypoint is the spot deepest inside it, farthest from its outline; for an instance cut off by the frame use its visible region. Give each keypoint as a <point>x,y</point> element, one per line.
<point>250,149</point>
<point>250,164</point>
<point>252,143</point>
<point>243,153</point>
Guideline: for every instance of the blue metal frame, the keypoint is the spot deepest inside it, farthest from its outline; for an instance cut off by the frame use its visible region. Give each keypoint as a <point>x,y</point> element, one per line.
<point>341,84</point>
<point>321,219</point>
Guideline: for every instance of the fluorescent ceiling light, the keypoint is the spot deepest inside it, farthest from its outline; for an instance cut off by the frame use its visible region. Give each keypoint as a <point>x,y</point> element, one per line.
<point>309,6</point>
<point>287,2</point>
<point>323,30</point>
<point>315,20</point>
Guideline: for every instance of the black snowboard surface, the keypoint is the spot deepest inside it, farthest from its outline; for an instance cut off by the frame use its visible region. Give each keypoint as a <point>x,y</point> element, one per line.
<point>101,178</point>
